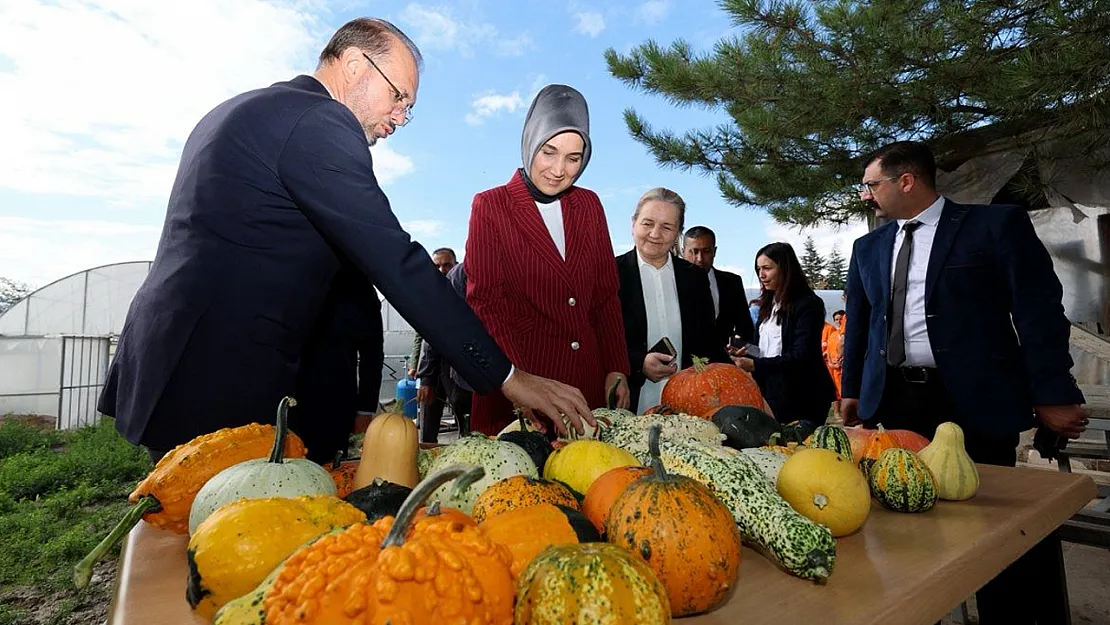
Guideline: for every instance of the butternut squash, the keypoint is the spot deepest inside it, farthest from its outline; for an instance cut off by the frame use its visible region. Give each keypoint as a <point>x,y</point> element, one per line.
<point>389,451</point>
<point>955,473</point>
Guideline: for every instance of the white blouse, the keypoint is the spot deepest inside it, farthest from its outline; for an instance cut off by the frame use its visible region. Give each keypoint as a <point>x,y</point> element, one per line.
<point>770,336</point>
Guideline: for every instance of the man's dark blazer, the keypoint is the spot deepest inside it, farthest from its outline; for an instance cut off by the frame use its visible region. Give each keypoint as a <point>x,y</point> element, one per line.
<point>273,186</point>
<point>695,304</point>
<point>992,308</point>
<point>340,369</point>
<point>796,383</point>
<point>734,317</point>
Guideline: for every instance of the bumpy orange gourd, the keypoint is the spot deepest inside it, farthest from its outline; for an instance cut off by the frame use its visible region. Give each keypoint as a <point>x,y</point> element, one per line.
<point>343,474</point>
<point>878,442</point>
<point>528,531</point>
<point>443,513</point>
<point>442,572</point>
<point>605,490</point>
<point>683,532</point>
<point>703,388</point>
<point>520,491</point>
<point>165,497</point>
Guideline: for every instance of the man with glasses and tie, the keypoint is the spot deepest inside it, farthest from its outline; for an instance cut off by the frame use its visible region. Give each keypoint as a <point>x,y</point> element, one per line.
<point>274,193</point>
<point>954,314</point>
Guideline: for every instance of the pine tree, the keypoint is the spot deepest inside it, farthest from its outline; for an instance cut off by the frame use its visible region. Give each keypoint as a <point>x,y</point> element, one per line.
<point>836,271</point>
<point>813,265</point>
<point>11,291</point>
<point>810,88</point>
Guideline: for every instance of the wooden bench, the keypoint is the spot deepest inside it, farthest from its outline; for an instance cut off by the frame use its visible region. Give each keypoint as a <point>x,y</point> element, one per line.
<point>1091,526</point>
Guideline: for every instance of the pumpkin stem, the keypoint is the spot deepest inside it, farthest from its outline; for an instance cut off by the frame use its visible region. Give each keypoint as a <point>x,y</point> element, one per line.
<point>82,572</point>
<point>820,501</point>
<point>653,448</point>
<point>700,364</point>
<point>278,451</point>
<point>337,462</point>
<point>774,439</point>
<point>466,474</point>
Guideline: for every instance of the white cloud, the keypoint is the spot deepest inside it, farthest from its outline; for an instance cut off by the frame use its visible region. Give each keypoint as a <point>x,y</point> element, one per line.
<point>590,23</point>
<point>39,251</point>
<point>437,28</point>
<point>825,239</point>
<point>418,228</point>
<point>388,164</point>
<point>490,104</point>
<point>106,113</point>
<point>653,11</point>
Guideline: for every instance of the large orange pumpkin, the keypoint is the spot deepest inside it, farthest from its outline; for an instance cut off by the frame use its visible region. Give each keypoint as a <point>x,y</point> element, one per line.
<point>908,439</point>
<point>701,389</point>
<point>879,441</point>
<point>905,439</point>
<point>605,490</point>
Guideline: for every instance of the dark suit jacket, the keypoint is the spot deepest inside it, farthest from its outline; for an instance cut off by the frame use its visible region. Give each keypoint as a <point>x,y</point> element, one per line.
<point>273,185</point>
<point>986,267</point>
<point>340,369</point>
<point>796,383</point>
<point>695,304</point>
<point>733,300</point>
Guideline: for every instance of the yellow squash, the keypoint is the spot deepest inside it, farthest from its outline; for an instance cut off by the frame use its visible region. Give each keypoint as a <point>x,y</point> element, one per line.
<point>579,463</point>
<point>955,473</point>
<point>236,547</point>
<point>826,488</point>
<point>389,451</point>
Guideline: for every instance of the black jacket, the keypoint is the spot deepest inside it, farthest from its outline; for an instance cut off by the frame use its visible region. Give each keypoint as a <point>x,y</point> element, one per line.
<point>695,304</point>
<point>733,301</point>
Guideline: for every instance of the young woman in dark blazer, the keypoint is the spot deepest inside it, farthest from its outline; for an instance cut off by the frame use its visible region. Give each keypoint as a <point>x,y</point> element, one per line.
<point>789,368</point>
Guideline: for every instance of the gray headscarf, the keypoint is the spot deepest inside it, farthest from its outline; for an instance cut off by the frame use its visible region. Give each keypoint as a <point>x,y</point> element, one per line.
<point>556,109</point>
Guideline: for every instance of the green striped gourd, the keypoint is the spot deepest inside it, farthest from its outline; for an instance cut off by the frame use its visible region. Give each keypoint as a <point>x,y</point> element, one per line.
<point>900,481</point>
<point>766,522</point>
<point>596,583</point>
<point>834,438</point>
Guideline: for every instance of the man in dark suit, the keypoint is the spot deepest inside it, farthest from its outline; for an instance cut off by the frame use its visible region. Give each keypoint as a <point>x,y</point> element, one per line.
<point>699,246</point>
<point>275,190</point>
<point>954,314</point>
<point>438,375</point>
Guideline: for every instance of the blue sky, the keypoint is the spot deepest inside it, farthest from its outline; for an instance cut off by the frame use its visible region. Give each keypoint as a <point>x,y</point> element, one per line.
<point>98,96</point>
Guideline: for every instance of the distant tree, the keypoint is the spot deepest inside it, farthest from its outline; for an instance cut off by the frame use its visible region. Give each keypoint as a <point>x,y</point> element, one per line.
<point>813,265</point>
<point>11,291</point>
<point>811,87</point>
<point>836,271</point>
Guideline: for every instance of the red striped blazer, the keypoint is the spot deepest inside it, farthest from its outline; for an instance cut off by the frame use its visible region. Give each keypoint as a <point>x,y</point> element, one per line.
<point>555,318</point>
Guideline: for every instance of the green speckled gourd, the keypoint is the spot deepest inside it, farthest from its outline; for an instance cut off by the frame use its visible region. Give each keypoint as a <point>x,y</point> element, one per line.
<point>901,482</point>
<point>834,438</point>
<point>499,459</point>
<point>629,432</point>
<point>425,457</point>
<point>276,476</point>
<point>590,584</point>
<point>769,461</point>
<point>766,522</point>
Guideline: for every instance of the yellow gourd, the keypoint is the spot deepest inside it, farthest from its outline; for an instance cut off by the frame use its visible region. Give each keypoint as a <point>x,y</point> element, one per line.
<point>826,488</point>
<point>579,463</point>
<point>236,547</point>
<point>389,451</point>
<point>955,473</point>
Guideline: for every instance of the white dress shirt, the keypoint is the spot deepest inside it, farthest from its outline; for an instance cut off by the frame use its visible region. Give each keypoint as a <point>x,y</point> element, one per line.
<point>919,352</point>
<point>663,319</point>
<point>770,335</point>
<point>716,294</point>
<point>552,215</point>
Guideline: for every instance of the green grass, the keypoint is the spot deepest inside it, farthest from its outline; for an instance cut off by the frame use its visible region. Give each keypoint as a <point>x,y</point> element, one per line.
<point>60,493</point>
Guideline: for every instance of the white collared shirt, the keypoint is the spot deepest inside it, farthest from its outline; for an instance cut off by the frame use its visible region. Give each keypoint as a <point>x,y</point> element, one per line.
<point>919,352</point>
<point>716,294</point>
<point>552,215</point>
<point>770,335</point>
<point>663,319</point>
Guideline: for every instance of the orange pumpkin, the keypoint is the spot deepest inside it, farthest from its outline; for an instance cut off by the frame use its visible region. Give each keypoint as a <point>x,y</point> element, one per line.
<point>437,512</point>
<point>905,439</point>
<point>605,490</point>
<point>701,389</point>
<point>435,572</point>
<point>879,441</point>
<point>520,491</point>
<point>683,532</point>
<point>908,439</point>
<point>343,474</point>
<point>528,531</point>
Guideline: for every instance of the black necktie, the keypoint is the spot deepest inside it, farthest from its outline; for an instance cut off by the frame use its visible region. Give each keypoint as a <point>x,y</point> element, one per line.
<point>896,345</point>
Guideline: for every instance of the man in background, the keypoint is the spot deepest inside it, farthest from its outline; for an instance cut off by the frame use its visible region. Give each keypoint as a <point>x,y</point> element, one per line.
<point>440,384</point>
<point>954,314</point>
<point>731,315</point>
<point>444,259</point>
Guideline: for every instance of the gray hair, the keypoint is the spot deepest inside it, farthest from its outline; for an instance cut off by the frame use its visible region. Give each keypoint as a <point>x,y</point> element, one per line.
<point>663,194</point>
<point>371,35</point>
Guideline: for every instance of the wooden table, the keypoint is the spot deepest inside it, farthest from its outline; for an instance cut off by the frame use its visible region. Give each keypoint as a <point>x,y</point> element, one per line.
<point>900,568</point>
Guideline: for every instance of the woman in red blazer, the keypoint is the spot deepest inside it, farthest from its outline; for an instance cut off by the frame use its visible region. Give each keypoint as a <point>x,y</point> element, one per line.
<point>539,264</point>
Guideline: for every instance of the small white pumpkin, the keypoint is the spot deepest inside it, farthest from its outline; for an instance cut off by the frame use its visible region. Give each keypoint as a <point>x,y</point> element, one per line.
<point>262,477</point>
<point>499,459</point>
<point>956,476</point>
